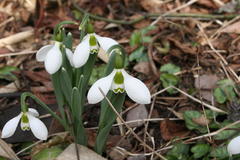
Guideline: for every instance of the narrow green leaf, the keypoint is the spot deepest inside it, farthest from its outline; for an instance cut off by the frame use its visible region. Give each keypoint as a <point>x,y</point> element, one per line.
<point>107,120</point>
<point>48,153</point>
<point>77,117</point>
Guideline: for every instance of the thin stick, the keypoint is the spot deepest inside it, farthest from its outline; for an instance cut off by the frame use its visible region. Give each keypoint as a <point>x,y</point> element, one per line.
<point>214,133</point>
<point>129,128</point>
<point>152,15</point>
<point>197,100</point>
<point>172,11</point>
<point>17,53</point>
<point>149,116</point>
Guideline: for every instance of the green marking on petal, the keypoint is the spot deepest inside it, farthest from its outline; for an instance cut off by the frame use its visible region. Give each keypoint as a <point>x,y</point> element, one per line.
<point>118,78</point>
<point>25,122</point>
<point>92,41</point>
<point>119,90</point>
<point>24,118</point>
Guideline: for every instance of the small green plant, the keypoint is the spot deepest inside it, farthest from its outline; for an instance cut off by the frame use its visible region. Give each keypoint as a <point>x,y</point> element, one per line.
<point>168,78</point>
<point>138,39</point>
<point>225,91</point>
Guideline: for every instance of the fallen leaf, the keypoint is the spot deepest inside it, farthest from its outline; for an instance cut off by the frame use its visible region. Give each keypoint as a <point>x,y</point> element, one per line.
<point>6,151</point>
<point>11,87</point>
<point>115,154</point>
<point>153,6</point>
<point>208,3</point>
<point>138,113</point>
<point>232,28</point>
<point>203,121</point>
<point>170,129</point>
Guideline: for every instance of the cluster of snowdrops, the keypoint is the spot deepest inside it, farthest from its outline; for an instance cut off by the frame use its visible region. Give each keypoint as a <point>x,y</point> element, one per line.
<point>70,72</point>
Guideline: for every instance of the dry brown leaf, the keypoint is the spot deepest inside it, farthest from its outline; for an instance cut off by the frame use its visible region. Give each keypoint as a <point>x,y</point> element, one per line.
<point>170,129</point>
<point>208,3</point>
<point>6,151</point>
<point>232,28</point>
<point>203,121</point>
<point>153,6</point>
<point>11,87</point>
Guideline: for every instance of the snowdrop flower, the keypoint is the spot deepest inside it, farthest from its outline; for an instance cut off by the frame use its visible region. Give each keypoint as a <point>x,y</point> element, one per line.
<point>233,146</point>
<point>90,44</point>
<point>28,121</point>
<point>52,57</point>
<point>119,81</point>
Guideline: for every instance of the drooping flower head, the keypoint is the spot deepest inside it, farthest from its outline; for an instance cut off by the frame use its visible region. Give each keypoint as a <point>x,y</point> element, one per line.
<point>29,121</point>
<point>51,55</point>
<point>90,45</point>
<point>119,81</point>
<point>233,146</point>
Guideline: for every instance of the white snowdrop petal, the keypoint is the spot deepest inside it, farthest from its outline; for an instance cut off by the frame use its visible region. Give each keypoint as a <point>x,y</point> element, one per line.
<point>94,95</point>
<point>42,52</point>
<point>69,54</point>
<point>37,127</point>
<point>105,42</point>
<point>81,53</point>
<point>11,126</point>
<point>234,146</point>
<point>33,112</point>
<point>136,89</point>
<point>53,60</point>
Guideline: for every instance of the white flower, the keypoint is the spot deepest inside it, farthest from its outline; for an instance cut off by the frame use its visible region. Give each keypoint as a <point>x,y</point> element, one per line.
<point>119,81</point>
<point>90,45</point>
<point>28,121</point>
<point>234,146</point>
<point>52,57</point>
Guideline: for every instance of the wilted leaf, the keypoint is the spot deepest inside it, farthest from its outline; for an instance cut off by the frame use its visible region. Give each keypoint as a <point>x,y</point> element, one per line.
<point>200,150</point>
<point>171,129</point>
<point>232,28</point>
<point>190,124</point>
<point>203,121</point>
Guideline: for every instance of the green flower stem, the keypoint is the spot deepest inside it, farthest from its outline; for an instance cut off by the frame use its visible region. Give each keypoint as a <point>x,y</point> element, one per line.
<point>42,104</point>
<point>155,15</point>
